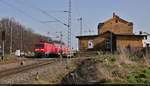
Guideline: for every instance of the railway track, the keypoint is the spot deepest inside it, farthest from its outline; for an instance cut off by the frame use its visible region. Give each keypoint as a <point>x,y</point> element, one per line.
<point>13,71</point>
<point>3,63</point>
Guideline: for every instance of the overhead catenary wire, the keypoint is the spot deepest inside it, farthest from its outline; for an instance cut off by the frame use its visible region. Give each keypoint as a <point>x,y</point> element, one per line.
<point>50,16</point>
<point>47,14</point>
<point>19,10</point>
<point>22,12</point>
<point>42,11</point>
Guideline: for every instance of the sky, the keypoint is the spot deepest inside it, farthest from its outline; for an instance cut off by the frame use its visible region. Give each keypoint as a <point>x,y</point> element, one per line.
<point>28,13</point>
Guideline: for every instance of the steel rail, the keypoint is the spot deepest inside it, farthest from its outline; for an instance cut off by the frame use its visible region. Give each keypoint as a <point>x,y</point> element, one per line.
<point>13,71</point>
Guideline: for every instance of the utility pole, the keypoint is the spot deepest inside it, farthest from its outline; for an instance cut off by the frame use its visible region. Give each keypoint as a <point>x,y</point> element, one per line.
<point>80,19</point>
<point>10,40</point>
<point>61,35</point>
<point>69,26</point>
<point>69,33</point>
<point>21,38</point>
<point>48,40</point>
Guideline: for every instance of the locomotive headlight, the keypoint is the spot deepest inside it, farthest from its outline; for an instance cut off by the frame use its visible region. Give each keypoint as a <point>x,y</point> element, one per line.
<point>42,50</point>
<point>36,49</point>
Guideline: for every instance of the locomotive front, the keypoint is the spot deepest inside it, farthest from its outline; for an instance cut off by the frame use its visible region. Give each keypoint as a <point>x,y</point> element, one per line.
<point>39,49</point>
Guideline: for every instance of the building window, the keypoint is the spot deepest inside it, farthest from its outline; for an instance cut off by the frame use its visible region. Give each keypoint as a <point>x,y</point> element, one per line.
<point>145,37</point>
<point>147,45</point>
<point>107,43</point>
<point>90,44</point>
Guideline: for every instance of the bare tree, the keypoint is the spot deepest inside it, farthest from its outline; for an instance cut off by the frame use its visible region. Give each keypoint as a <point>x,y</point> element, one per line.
<point>22,37</point>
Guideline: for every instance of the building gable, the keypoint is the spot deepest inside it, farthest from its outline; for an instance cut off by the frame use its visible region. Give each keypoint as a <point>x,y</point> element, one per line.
<point>116,25</point>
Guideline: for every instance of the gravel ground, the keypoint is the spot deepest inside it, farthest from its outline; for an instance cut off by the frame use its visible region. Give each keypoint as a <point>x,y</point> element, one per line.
<point>26,62</point>
<point>14,65</point>
<point>49,74</point>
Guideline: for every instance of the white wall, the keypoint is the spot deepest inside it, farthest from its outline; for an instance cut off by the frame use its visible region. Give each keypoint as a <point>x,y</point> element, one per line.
<point>146,41</point>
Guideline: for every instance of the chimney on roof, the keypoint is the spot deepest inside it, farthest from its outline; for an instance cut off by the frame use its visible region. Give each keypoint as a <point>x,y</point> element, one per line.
<point>114,14</point>
<point>140,32</point>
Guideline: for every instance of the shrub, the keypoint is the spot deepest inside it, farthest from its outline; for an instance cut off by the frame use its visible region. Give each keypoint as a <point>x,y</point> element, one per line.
<point>5,59</point>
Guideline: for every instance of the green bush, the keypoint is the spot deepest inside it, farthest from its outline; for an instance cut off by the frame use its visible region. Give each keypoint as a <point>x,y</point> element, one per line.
<point>110,57</point>
<point>139,76</point>
<point>135,74</point>
<point>132,79</point>
<point>5,59</point>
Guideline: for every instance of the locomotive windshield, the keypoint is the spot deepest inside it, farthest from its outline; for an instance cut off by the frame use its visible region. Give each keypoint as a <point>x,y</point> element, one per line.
<point>51,43</point>
<point>39,46</point>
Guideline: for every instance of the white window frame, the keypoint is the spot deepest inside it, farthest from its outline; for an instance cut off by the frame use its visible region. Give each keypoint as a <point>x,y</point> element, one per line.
<point>90,44</point>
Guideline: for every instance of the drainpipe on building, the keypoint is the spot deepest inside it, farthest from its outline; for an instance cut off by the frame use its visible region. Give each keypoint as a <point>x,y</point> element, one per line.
<point>111,41</point>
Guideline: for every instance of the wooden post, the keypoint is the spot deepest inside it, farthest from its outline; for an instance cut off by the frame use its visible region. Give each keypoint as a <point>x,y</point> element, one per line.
<point>3,39</point>
<point>3,51</point>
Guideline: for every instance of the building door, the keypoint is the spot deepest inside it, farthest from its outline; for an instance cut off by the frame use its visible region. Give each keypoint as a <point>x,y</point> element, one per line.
<point>90,44</point>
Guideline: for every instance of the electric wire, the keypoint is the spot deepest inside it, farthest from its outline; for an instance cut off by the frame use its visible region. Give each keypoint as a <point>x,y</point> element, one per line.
<point>50,16</point>
<point>44,12</point>
<point>47,14</point>
<point>21,11</point>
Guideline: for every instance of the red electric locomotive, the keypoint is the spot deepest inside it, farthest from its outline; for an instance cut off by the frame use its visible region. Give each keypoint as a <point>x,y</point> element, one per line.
<point>49,49</point>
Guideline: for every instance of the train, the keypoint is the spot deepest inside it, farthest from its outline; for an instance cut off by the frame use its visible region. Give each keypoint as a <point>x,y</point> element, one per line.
<point>50,49</point>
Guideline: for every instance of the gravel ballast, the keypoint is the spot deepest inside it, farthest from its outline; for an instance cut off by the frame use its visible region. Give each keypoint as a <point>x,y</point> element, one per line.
<point>50,74</point>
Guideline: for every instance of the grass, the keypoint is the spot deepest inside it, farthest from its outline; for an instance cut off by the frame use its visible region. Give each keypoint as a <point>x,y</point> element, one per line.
<point>109,57</point>
<point>122,68</point>
<point>131,69</point>
<point>138,75</point>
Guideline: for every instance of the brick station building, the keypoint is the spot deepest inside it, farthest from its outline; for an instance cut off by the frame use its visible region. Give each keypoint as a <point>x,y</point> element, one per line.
<point>113,34</point>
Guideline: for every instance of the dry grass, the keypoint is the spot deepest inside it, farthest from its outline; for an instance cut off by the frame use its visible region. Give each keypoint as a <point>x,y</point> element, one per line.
<point>147,59</point>
<point>124,59</point>
<point>104,70</point>
<point>103,73</point>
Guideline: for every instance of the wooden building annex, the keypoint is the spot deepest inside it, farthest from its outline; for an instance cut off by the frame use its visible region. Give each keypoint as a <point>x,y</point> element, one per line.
<point>113,34</point>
